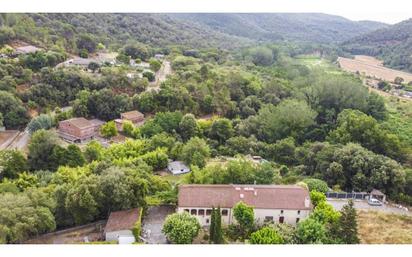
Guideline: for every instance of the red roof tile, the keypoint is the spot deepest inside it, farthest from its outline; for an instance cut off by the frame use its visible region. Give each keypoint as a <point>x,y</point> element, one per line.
<point>122,220</point>
<point>258,196</point>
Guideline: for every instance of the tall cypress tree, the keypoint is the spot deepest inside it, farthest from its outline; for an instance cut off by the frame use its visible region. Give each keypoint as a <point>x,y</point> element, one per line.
<point>218,238</point>
<point>212,226</point>
<point>348,227</point>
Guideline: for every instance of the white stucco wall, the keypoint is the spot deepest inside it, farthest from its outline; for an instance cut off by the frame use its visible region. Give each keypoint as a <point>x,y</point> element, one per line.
<point>290,216</point>
<point>114,235</point>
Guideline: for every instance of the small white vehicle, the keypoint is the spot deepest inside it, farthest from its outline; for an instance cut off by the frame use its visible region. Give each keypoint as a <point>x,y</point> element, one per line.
<point>374,202</point>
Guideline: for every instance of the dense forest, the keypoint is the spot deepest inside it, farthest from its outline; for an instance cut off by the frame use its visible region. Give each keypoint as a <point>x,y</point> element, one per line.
<point>314,125</point>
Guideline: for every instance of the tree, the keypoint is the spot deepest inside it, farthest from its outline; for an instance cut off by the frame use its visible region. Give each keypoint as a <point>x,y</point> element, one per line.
<point>93,66</point>
<point>188,127</point>
<point>12,162</point>
<point>317,197</point>
<point>81,201</point>
<point>266,235</point>
<point>348,228</point>
<point>149,75</point>
<point>24,215</point>
<point>311,231</point>
<point>316,185</point>
<point>216,227</point>
<point>221,130</point>
<point>357,127</point>
<point>12,110</point>
<point>136,51</point>
<point>195,152</point>
<point>43,121</point>
<point>41,148</point>
<point>398,80</point>
<point>108,130</point>
<point>261,56</point>
<point>245,217</point>
<point>74,156</point>
<point>93,151</point>
<point>289,118</point>
<point>85,41</point>
<point>128,128</point>
<point>155,65</point>
<point>181,228</point>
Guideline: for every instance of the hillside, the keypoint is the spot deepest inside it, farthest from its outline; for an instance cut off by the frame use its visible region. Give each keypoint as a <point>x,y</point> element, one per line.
<point>310,27</point>
<point>393,44</point>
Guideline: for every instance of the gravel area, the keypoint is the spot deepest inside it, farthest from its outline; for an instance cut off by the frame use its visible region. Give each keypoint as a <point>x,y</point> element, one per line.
<point>363,205</point>
<point>153,224</point>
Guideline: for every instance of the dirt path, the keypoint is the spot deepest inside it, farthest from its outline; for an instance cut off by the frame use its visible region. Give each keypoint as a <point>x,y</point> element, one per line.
<point>21,141</point>
<point>161,76</point>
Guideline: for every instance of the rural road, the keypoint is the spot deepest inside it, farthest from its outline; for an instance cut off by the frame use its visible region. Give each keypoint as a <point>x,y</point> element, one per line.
<point>161,76</point>
<point>363,205</point>
<point>21,141</point>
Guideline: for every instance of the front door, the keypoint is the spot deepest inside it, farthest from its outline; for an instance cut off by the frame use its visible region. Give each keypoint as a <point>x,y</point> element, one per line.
<point>281,219</point>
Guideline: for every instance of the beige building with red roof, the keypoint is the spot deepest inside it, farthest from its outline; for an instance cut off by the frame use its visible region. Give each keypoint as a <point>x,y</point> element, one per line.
<point>277,203</point>
<point>119,226</point>
<point>78,129</point>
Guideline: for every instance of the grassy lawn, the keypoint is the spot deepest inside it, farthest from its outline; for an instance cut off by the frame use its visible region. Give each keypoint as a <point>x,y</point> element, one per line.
<point>382,228</point>
<point>400,118</point>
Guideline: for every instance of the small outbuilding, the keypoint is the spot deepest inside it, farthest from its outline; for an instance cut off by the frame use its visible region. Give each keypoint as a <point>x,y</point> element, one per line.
<point>376,194</point>
<point>120,226</point>
<point>78,130</point>
<point>178,167</point>
<point>133,116</point>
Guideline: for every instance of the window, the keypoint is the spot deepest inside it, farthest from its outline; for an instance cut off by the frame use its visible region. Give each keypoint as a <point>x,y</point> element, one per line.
<point>224,212</point>
<point>299,212</point>
<point>281,219</point>
<point>201,212</point>
<point>208,212</point>
<point>207,221</point>
<point>268,218</point>
<point>186,210</point>
<point>281,211</point>
<point>297,220</point>
<point>193,211</point>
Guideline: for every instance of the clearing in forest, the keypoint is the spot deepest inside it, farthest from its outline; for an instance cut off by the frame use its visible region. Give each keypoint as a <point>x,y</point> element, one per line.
<point>372,67</point>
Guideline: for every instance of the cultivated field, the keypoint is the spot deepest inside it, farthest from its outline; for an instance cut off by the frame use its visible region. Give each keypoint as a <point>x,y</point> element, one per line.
<point>383,228</point>
<point>372,67</point>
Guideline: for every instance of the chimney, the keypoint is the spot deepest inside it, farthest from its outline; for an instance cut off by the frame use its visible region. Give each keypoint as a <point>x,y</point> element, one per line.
<point>307,202</point>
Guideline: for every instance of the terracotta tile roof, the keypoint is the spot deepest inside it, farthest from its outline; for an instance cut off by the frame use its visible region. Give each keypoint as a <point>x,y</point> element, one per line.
<point>258,196</point>
<point>132,115</point>
<point>80,123</point>
<point>122,220</point>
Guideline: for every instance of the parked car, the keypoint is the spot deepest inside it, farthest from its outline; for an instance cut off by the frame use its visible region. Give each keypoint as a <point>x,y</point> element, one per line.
<point>374,202</point>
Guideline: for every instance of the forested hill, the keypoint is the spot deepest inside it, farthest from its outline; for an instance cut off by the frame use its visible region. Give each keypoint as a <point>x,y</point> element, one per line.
<point>393,44</point>
<point>157,30</point>
<point>188,30</point>
<point>308,27</point>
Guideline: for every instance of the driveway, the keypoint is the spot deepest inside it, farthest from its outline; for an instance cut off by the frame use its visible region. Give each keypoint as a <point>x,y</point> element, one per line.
<point>363,205</point>
<point>153,224</point>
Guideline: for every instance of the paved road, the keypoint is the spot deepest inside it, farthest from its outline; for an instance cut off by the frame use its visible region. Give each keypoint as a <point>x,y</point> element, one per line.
<point>153,224</point>
<point>363,205</point>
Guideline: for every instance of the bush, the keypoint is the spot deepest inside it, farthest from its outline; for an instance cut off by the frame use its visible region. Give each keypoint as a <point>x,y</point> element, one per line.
<point>317,185</point>
<point>149,75</point>
<point>317,197</point>
<point>108,130</point>
<point>266,235</point>
<point>181,228</point>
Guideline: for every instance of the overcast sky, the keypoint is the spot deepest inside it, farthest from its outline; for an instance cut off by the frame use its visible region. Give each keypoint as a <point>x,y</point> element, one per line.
<point>389,11</point>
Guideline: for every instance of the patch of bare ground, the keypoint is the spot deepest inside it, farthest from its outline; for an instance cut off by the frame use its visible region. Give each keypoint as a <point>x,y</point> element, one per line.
<point>383,228</point>
<point>372,67</point>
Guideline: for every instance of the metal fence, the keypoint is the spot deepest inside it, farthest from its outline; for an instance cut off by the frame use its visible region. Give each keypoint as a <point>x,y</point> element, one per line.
<point>345,195</point>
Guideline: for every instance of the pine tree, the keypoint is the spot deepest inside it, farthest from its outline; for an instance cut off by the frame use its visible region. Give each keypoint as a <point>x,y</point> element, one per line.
<point>212,226</point>
<point>348,227</point>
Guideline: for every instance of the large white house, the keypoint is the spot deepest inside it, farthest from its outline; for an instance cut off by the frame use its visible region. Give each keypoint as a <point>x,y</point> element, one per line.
<point>277,203</point>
